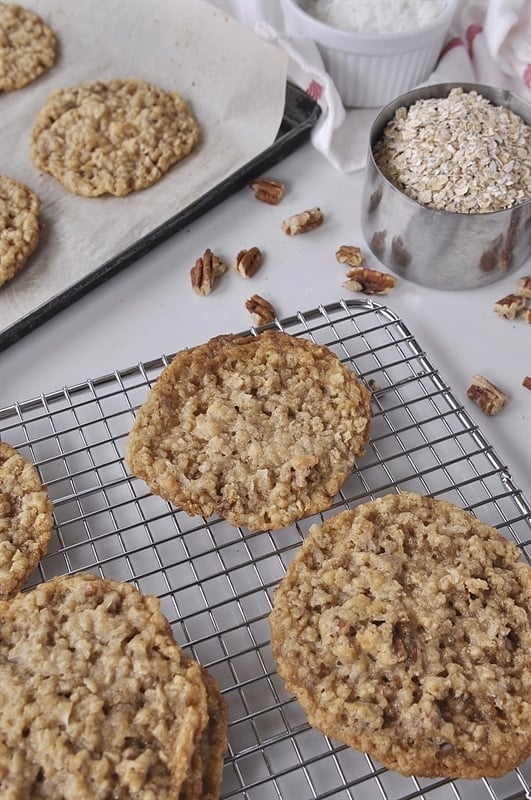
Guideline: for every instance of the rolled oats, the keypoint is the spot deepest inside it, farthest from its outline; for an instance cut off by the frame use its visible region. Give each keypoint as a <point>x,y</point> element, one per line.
<point>458,153</point>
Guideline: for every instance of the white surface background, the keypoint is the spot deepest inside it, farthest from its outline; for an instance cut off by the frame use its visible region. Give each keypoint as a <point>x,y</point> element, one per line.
<point>150,309</point>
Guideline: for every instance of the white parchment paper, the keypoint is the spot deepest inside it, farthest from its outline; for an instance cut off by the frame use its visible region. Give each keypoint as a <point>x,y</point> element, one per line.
<point>234,82</point>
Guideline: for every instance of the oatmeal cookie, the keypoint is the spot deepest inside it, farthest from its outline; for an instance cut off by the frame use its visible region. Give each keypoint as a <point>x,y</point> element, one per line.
<point>204,779</point>
<point>97,700</point>
<point>26,520</point>
<point>19,226</point>
<point>403,629</point>
<point>27,47</point>
<point>112,137</point>
<point>261,430</point>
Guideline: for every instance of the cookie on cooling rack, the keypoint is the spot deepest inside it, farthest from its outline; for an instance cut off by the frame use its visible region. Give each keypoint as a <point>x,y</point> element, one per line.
<point>204,778</point>
<point>97,698</point>
<point>19,226</point>
<point>261,430</point>
<point>26,520</point>
<point>112,137</point>
<point>402,627</point>
<point>27,47</point>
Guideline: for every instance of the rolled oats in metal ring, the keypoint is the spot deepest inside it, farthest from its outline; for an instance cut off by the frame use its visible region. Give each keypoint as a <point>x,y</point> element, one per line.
<point>458,153</point>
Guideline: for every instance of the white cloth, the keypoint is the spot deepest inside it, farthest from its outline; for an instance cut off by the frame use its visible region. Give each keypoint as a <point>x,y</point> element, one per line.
<point>489,42</point>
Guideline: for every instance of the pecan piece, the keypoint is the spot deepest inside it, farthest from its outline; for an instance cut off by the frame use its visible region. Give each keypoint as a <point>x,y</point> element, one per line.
<point>247,262</point>
<point>486,395</point>
<point>510,305</point>
<point>303,222</point>
<point>369,281</point>
<point>404,643</point>
<point>351,255</point>
<point>268,190</point>
<point>523,286</point>
<point>261,310</point>
<point>527,382</point>
<point>205,270</point>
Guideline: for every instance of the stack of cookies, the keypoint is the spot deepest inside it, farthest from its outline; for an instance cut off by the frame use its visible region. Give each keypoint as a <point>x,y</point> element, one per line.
<point>97,699</point>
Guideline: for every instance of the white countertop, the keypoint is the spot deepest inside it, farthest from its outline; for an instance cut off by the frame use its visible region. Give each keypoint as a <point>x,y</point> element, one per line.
<point>150,309</point>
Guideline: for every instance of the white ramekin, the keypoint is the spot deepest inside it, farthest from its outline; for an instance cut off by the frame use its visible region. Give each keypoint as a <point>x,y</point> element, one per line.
<point>370,69</point>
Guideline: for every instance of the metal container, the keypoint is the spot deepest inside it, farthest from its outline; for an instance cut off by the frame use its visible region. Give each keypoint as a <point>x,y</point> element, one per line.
<point>442,249</point>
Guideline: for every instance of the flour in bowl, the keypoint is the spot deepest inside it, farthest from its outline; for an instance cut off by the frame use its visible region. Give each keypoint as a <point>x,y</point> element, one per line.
<point>375,16</point>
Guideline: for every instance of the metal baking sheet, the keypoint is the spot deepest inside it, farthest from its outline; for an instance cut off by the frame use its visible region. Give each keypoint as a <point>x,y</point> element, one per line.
<point>300,115</point>
<point>215,582</point>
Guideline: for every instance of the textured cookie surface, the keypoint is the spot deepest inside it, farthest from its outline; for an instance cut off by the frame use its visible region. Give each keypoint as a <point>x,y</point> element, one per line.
<point>112,137</point>
<point>19,226</point>
<point>27,47</point>
<point>96,698</point>
<point>26,520</point>
<point>204,778</point>
<point>403,629</point>
<point>261,430</point>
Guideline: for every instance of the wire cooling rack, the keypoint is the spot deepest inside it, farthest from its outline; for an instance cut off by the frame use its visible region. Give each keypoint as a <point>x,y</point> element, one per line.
<point>215,582</point>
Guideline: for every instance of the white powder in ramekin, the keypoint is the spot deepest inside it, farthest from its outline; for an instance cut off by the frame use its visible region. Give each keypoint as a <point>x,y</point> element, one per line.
<point>375,16</point>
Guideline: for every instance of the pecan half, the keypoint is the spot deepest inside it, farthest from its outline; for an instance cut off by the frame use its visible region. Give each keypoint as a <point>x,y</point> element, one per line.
<point>204,272</point>
<point>351,255</point>
<point>369,281</point>
<point>268,190</point>
<point>261,310</point>
<point>247,262</point>
<point>510,305</point>
<point>303,222</point>
<point>486,395</point>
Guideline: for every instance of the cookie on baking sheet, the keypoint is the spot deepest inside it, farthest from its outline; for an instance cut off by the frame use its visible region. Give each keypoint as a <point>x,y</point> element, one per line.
<point>27,47</point>
<point>97,699</point>
<point>112,137</point>
<point>26,520</point>
<point>204,779</point>
<point>19,226</point>
<point>262,430</point>
<point>402,627</point>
